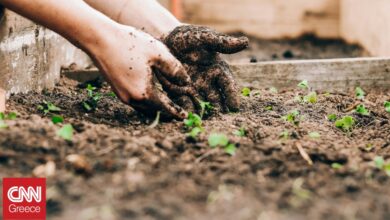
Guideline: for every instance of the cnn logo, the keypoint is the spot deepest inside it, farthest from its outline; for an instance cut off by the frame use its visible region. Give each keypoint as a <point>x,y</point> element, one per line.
<point>23,194</point>
<point>24,198</point>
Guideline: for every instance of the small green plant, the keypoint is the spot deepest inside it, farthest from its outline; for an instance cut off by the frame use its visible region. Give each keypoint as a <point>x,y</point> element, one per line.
<point>336,166</point>
<point>284,135</point>
<point>361,109</point>
<point>332,117</point>
<point>111,94</point>
<point>9,116</point>
<point>293,117</point>
<point>346,123</point>
<point>314,135</point>
<point>193,120</point>
<point>387,106</point>
<point>311,98</point>
<point>359,92</point>
<point>221,140</point>
<point>206,108</point>
<point>3,124</point>
<point>380,164</point>
<point>240,132</point>
<point>93,98</point>
<point>194,133</point>
<point>48,107</point>
<point>246,92</point>
<point>269,108</point>
<point>57,119</point>
<point>304,84</point>
<point>66,132</point>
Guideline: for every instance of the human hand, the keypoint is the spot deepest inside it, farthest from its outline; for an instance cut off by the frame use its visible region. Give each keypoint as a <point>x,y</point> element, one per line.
<point>131,60</point>
<point>197,48</point>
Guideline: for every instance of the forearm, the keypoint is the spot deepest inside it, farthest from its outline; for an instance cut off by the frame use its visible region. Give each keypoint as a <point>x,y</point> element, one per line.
<point>73,19</point>
<point>147,15</point>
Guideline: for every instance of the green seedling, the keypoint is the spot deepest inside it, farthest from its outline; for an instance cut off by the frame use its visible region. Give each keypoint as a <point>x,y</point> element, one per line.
<point>66,132</point>
<point>346,123</point>
<point>314,135</point>
<point>206,108</point>
<point>336,166</point>
<point>9,116</point>
<point>387,106</point>
<point>93,98</point>
<point>284,135</point>
<point>361,109</point>
<point>194,133</point>
<point>48,107</point>
<point>156,120</point>
<point>246,92</point>
<point>3,124</point>
<point>221,140</point>
<point>269,108</point>
<point>240,132</point>
<point>111,94</point>
<point>359,92</point>
<point>380,164</point>
<point>193,120</point>
<point>311,98</point>
<point>292,117</point>
<point>57,119</point>
<point>332,117</point>
<point>304,84</point>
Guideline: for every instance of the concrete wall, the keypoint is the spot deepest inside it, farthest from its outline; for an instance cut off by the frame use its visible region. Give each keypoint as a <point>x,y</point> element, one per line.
<point>367,22</point>
<point>31,56</point>
<point>267,18</point>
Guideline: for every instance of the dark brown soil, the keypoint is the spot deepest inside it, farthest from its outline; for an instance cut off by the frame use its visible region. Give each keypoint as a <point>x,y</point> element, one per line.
<point>305,47</point>
<point>126,170</point>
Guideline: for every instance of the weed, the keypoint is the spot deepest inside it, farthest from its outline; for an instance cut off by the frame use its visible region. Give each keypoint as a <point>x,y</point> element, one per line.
<point>240,132</point>
<point>93,98</point>
<point>246,92</point>
<point>314,135</point>
<point>304,84</point>
<point>387,106</point>
<point>311,98</point>
<point>66,132</point>
<point>359,92</point>
<point>292,117</point>
<point>221,140</point>
<point>361,109</point>
<point>332,117</point>
<point>48,107</point>
<point>336,166</point>
<point>346,123</point>
<point>57,119</point>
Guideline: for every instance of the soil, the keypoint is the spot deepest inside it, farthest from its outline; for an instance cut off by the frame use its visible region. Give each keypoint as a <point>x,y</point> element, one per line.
<point>305,47</point>
<point>117,167</point>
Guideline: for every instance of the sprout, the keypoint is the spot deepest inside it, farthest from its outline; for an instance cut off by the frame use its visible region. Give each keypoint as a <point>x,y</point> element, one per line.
<point>66,132</point>
<point>346,123</point>
<point>246,91</point>
<point>359,92</point>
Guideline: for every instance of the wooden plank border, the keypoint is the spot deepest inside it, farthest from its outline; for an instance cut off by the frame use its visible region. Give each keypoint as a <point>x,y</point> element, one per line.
<point>327,74</point>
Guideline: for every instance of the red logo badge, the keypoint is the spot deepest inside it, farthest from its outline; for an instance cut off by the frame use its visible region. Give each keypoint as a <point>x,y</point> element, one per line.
<point>24,198</point>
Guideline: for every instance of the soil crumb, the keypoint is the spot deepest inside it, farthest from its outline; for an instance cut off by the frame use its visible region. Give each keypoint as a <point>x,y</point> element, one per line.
<point>118,167</point>
<point>305,47</point>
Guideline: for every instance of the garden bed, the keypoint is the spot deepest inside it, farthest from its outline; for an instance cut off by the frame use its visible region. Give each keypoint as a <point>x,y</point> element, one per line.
<point>286,166</point>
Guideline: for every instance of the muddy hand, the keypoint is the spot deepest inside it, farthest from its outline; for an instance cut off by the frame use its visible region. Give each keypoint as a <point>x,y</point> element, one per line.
<point>130,60</point>
<point>198,49</point>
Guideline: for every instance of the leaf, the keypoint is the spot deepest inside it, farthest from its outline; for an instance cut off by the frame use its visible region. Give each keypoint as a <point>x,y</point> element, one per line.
<point>66,132</point>
<point>156,121</point>
<point>336,166</point>
<point>195,132</point>
<point>284,135</point>
<point>269,108</point>
<point>303,85</point>
<point>90,90</point>
<point>379,162</point>
<point>361,109</point>
<point>386,168</point>
<point>2,116</point>
<point>311,98</point>
<point>52,108</point>
<point>111,94</point>
<point>87,107</point>
<point>292,117</point>
<point>387,106</point>
<point>216,139</point>
<point>346,123</point>
<point>246,92</point>
<point>3,124</point>
<point>206,108</point>
<point>11,116</point>
<point>359,92</point>
<point>314,135</point>
<point>240,132</point>
<point>230,149</point>
<point>332,117</point>
<point>193,120</point>
<point>56,119</point>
